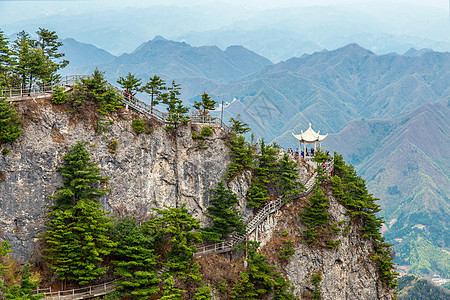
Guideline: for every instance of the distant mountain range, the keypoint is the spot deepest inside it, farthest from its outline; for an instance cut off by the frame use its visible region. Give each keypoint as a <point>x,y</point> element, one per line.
<point>407,167</point>
<point>387,114</point>
<point>81,54</point>
<point>170,59</point>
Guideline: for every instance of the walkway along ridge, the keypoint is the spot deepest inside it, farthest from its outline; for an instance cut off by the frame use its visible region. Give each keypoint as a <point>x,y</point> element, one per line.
<point>129,101</point>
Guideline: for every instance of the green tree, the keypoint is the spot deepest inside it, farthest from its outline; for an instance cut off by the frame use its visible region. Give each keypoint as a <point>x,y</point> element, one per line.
<point>10,122</point>
<point>239,127</point>
<point>95,89</point>
<point>175,108</point>
<point>257,194</point>
<point>49,44</point>
<point>179,230</point>
<point>266,162</point>
<point>77,230</point>
<point>241,157</point>
<point>287,178</point>
<point>205,105</point>
<point>154,88</point>
<point>315,216</point>
<point>59,97</point>
<point>265,171</point>
<point>170,292</point>
<point>6,61</point>
<point>129,83</point>
<point>30,60</point>
<point>225,218</point>
<point>134,260</point>
<point>23,290</point>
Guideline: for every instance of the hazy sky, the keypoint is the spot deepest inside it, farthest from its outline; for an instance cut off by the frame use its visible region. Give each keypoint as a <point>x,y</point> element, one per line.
<point>426,19</point>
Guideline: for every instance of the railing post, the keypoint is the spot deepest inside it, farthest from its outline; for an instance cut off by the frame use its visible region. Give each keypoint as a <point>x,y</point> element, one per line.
<point>59,295</point>
<point>73,294</point>
<point>104,286</point>
<point>90,290</point>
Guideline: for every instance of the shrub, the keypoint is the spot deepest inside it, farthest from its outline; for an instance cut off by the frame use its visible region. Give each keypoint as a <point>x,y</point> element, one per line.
<point>59,97</point>
<point>316,278</point>
<point>138,126</point>
<point>112,146</point>
<point>206,131</point>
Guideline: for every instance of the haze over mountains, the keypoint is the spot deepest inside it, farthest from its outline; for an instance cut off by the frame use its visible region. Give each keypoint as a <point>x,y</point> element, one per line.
<point>388,115</point>
<point>277,30</point>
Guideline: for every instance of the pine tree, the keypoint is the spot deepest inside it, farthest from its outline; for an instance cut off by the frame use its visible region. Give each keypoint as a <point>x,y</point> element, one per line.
<point>6,61</point>
<point>241,157</point>
<point>175,108</point>
<point>170,292</point>
<point>30,60</point>
<point>10,123</point>
<point>129,83</point>
<point>177,228</point>
<point>48,42</point>
<point>225,218</point>
<point>266,162</point>
<point>23,290</point>
<point>257,194</point>
<point>265,170</point>
<point>239,127</point>
<point>77,232</point>
<point>134,260</point>
<point>205,105</point>
<point>154,88</point>
<point>96,89</point>
<point>287,178</point>
<point>315,216</point>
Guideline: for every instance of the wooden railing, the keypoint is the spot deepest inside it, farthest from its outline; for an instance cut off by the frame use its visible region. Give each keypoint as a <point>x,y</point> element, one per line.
<point>130,101</point>
<point>39,90</point>
<point>81,293</point>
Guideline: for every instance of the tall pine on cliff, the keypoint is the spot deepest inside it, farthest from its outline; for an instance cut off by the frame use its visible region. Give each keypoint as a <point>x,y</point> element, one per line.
<point>287,179</point>
<point>134,260</point>
<point>225,218</point>
<point>178,231</point>
<point>265,172</point>
<point>315,217</point>
<point>77,232</point>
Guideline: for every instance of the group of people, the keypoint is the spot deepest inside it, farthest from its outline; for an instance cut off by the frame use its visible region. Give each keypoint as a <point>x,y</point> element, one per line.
<point>302,153</point>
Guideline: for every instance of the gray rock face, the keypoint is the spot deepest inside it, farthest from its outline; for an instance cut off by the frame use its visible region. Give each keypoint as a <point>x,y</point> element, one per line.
<point>147,171</point>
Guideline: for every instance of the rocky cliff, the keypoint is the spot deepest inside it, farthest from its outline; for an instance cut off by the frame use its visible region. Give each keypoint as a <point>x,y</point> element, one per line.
<point>160,169</point>
<point>146,170</point>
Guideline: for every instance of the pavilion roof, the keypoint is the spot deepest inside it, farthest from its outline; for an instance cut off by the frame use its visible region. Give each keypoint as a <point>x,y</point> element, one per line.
<point>310,136</point>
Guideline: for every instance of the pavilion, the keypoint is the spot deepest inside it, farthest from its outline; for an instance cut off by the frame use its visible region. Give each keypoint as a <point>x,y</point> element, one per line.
<point>309,137</point>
